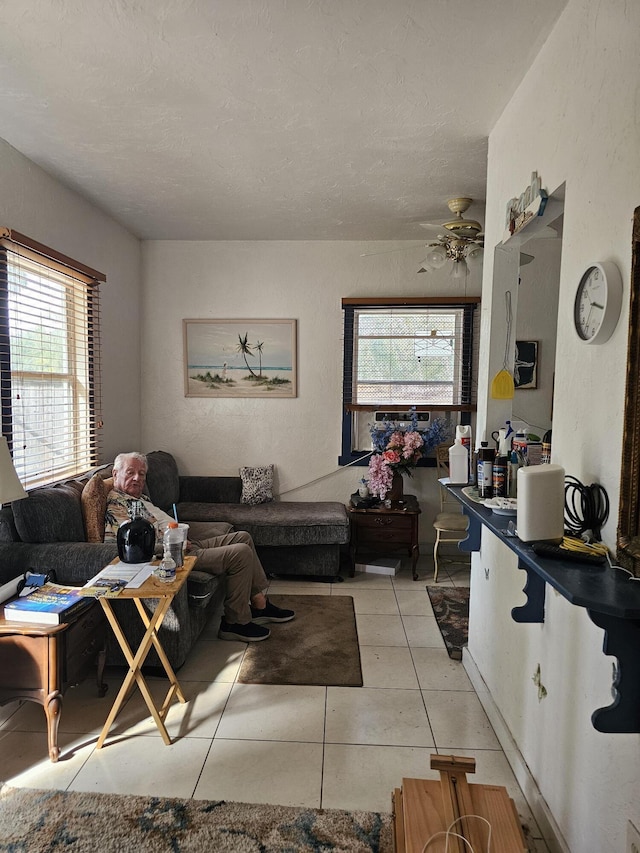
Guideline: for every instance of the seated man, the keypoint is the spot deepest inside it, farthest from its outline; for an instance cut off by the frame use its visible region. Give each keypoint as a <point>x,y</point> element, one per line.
<point>246,607</point>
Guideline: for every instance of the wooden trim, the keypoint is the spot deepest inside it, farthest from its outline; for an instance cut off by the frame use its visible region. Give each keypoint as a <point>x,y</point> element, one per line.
<point>47,252</point>
<point>442,301</point>
<point>628,543</point>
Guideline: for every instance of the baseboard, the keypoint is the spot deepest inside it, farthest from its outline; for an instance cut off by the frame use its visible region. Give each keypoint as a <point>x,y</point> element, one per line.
<point>539,808</point>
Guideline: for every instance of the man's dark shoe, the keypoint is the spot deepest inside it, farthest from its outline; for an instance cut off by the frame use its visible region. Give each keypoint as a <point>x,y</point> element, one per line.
<point>248,633</point>
<point>270,613</point>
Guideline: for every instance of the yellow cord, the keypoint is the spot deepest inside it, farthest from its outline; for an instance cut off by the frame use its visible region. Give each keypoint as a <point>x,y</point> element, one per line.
<point>572,543</point>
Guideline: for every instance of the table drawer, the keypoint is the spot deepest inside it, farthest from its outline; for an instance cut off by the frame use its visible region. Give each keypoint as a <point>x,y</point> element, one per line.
<point>383,534</point>
<point>383,522</point>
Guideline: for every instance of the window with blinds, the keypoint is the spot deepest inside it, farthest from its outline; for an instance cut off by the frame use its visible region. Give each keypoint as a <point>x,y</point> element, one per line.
<point>49,361</point>
<point>404,353</point>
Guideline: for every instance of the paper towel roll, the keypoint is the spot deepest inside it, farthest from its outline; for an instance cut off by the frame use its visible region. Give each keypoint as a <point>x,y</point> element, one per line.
<point>540,503</point>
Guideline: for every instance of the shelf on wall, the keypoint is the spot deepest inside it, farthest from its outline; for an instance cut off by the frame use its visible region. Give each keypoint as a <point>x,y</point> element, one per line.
<point>610,598</point>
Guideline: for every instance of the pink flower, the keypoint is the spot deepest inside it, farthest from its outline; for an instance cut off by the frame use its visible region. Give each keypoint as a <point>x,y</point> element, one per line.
<point>380,476</point>
<point>397,439</point>
<point>412,442</point>
<point>391,457</point>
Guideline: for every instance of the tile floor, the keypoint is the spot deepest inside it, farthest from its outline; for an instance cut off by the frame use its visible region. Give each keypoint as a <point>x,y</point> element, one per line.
<point>331,747</point>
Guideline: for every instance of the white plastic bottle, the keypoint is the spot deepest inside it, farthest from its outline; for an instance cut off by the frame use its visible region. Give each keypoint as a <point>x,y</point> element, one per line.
<point>166,571</point>
<point>173,539</point>
<point>463,431</point>
<point>458,463</point>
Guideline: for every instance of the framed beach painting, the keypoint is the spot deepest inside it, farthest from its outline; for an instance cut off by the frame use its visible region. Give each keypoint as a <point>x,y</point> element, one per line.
<point>240,358</point>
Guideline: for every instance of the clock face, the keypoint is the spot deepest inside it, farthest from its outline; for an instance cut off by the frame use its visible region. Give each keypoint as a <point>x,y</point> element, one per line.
<point>597,303</point>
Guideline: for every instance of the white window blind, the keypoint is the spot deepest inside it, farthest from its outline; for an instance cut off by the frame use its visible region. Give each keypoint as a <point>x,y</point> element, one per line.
<point>50,362</point>
<point>408,356</point>
<point>402,353</point>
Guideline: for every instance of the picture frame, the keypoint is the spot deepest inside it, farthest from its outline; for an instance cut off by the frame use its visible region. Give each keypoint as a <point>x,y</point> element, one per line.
<point>525,368</point>
<point>240,358</point>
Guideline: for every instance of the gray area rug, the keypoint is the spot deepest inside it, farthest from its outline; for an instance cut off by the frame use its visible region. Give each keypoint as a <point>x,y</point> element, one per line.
<point>319,646</point>
<point>32,820</point>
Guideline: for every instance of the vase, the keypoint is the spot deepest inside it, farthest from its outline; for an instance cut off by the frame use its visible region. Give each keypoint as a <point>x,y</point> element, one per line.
<point>396,493</point>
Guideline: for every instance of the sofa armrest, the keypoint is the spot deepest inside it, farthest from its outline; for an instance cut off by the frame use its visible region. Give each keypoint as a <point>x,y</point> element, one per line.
<point>73,562</point>
<point>219,490</point>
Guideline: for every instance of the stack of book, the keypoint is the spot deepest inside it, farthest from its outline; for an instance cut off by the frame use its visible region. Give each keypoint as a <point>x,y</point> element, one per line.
<point>49,604</point>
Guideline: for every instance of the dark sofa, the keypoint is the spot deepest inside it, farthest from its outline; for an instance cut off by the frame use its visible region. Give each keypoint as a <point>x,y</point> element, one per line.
<point>46,531</point>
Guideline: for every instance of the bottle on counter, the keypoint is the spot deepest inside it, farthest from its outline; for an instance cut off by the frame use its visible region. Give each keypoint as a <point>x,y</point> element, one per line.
<point>485,470</point>
<point>513,466</point>
<point>546,448</point>
<point>463,432</point>
<point>458,463</point>
<point>500,477</point>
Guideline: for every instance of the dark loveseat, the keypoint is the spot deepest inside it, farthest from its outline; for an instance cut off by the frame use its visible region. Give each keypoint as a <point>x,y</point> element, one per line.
<point>47,531</point>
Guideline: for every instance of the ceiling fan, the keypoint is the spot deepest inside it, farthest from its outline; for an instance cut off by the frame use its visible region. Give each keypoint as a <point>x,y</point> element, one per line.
<point>459,241</point>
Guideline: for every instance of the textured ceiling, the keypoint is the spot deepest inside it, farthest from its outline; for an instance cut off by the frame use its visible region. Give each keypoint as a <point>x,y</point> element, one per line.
<point>265,119</point>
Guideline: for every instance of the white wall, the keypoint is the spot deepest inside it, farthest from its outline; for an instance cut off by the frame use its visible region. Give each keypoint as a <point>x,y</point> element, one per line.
<point>574,120</point>
<point>35,204</point>
<point>301,280</point>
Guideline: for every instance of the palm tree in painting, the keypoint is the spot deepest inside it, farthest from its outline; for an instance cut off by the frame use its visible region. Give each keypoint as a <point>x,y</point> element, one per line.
<point>244,347</point>
<point>259,346</point>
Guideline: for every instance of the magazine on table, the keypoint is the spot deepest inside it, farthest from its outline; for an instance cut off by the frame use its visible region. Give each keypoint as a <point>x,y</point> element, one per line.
<point>115,577</point>
<point>49,604</point>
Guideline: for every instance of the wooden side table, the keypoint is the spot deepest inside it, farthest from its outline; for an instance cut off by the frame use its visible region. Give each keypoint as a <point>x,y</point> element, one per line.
<point>382,529</point>
<point>39,662</point>
<point>164,593</point>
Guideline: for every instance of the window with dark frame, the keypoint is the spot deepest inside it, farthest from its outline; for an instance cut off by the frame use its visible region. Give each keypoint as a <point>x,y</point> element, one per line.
<point>400,354</point>
<point>50,388</point>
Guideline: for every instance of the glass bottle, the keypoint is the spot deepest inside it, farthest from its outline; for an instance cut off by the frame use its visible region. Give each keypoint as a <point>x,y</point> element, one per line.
<point>136,538</point>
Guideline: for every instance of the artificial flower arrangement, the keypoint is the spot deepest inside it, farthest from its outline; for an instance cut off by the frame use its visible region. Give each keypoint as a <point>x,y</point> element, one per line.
<point>398,450</point>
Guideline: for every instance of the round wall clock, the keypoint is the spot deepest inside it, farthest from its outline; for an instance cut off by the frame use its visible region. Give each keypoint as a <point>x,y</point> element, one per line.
<point>598,301</point>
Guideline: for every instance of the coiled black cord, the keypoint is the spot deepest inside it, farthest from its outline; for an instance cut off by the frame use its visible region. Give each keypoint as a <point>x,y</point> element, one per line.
<point>586,508</point>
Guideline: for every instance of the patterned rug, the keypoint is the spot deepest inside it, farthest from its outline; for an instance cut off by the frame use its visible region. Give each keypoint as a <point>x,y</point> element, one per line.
<point>33,820</point>
<point>319,646</point>
<point>451,609</point>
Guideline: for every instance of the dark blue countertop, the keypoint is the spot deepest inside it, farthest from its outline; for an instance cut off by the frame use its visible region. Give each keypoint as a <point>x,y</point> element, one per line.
<point>599,588</point>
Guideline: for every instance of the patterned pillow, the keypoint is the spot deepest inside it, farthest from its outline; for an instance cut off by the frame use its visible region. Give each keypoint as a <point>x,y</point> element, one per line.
<point>257,484</point>
<point>94,505</point>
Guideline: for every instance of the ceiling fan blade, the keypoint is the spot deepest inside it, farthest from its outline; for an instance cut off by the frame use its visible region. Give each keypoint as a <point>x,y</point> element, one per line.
<point>435,228</point>
<point>391,251</point>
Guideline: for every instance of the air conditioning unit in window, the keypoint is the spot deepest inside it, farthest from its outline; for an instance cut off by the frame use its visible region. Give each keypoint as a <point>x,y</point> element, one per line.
<point>400,420</point>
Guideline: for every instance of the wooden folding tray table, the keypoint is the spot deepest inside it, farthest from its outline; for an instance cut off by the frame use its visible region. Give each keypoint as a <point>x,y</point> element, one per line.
<point>164,592</point>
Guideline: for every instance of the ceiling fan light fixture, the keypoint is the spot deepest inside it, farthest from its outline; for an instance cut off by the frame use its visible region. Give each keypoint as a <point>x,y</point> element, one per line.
<point>437,257</point>
<point>459,269</point>
<point>474,257</point>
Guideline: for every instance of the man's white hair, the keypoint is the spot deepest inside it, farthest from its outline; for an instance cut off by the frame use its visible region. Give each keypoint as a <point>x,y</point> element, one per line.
<point>122,459</point>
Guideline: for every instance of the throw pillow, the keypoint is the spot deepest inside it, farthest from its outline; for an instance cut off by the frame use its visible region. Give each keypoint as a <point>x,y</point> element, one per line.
<point>257,484</point>
<point>94,505</point>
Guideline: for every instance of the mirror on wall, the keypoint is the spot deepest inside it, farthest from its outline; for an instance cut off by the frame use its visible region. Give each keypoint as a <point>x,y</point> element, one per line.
<point>628,543</point>
<point>536,328</point>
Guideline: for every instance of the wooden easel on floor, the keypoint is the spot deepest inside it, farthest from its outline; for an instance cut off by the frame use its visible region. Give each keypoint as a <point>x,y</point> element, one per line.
<point>422,808</point>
